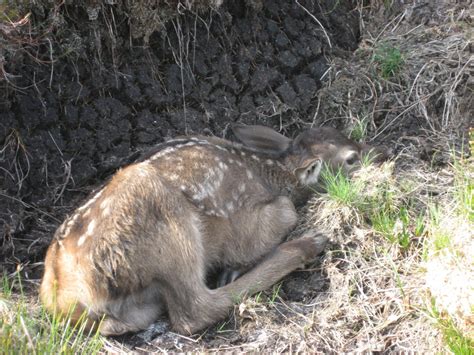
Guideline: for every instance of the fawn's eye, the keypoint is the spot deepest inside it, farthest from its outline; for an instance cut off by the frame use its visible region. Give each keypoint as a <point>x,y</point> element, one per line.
<point>352,159</point>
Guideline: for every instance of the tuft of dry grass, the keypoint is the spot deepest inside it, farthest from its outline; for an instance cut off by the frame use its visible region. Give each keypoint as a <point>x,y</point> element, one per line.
<point>375,291</point>
<point>405,74</point>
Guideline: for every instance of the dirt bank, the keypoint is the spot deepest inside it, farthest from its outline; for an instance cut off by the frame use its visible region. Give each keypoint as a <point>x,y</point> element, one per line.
<point>85,95</point>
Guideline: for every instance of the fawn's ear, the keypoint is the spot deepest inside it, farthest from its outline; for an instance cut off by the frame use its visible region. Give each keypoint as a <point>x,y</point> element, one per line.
<point>308,172</point>
<point>261,138</point>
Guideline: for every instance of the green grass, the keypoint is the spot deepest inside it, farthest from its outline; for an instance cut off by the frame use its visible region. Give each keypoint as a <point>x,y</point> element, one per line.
<point>383,223</point>
<point>446,224</point>
<point>385,209</point>
<point>341,188</point>
<point>389,207</point>
<point>464,187</point>
<point>28,329</point>
<point>389,61</point>
<point>440,236</point>
<point>453,337</point>
<point>275,293</point>
<point>396,226</point>
<point>359,130</point>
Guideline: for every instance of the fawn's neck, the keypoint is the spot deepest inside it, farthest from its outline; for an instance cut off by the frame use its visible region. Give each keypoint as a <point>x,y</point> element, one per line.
<point>275,170</point>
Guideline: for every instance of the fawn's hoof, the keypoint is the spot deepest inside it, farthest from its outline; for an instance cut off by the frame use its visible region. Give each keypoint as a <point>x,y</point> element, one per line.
<point>316,243</point>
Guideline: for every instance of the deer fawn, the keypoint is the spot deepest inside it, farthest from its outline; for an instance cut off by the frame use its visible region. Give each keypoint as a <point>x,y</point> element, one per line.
<point>143,244</point>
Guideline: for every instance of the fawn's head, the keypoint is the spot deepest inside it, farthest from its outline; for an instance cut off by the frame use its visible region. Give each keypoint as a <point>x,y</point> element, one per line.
<point>306,154</point>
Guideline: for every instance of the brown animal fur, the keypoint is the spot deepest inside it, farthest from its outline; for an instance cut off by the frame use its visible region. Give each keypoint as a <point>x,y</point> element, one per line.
<point>144,243</point>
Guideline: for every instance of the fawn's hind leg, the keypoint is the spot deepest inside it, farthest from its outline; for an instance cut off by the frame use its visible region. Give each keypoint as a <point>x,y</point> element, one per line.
<point>192,306</point>
<point>257,230</point>
<point>286,258</point>
<point>132,313</point>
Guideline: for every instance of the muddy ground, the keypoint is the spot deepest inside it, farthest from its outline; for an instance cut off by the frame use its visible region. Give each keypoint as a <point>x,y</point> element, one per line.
<point>87,98</point>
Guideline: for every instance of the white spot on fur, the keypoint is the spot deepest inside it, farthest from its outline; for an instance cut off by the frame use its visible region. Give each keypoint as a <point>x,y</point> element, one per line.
<point>223,166</point>
<point>91,201</point>
<point>231,161</point>
<point>242,187</point>
<point>105,205</point>
<point>89,232</point>
<point>106,211</point>
<point>254,157</point>
<point>217,159</point>
<point>183,188</point>
<point>220,148</point>
<point>249,174</point>
<point>269,162</point>
<point>81,240</point>
<point>91,227</point>
<point>242,153</point>
<point>68,229</point>
<point>173,177</point>
<point>239,163</point>
<point>229,206</point>
<point>70,223</point>
<point>162,153</point>
<point>211,183</point>
<point>210,213</point>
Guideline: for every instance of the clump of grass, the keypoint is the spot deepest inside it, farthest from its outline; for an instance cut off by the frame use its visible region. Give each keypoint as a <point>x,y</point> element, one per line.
<point>464,187</point>
<point>396,227</point>
<point>27,328</point>
<point>341,188</point>
<point>454,339</point>
<point>359,130</point>
<point>389,60</point>
<point>375,226</point>
<point>449,251</point>
<point>376,200</point>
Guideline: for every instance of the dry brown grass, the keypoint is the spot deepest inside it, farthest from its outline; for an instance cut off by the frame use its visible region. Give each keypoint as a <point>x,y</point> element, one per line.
<point>430,88</point>
<point>376,290</point>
